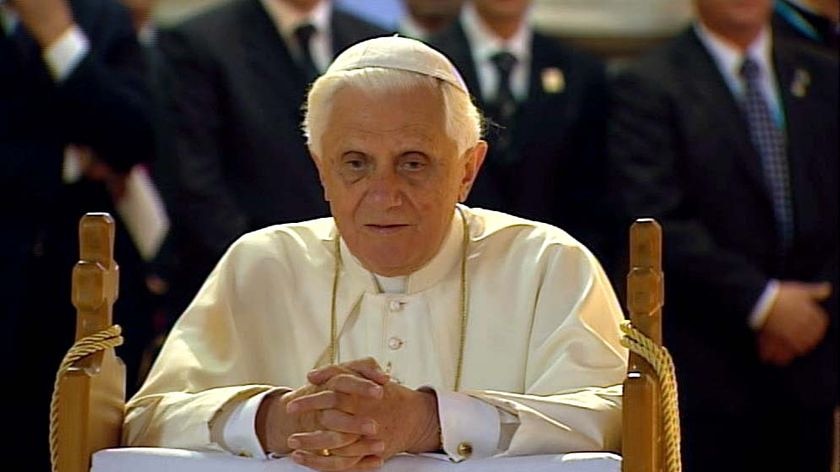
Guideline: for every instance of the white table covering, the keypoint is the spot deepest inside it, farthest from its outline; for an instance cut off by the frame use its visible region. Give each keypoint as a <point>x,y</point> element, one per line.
<point>177,460</point>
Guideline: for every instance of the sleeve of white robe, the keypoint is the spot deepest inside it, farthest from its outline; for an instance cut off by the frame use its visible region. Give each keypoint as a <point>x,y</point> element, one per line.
<point>572,397</point>
<point>176,407</point>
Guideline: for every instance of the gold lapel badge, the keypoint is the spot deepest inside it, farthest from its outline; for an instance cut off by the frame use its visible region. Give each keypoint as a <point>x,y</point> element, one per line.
<point>553,80</point>
<point>800,83</point>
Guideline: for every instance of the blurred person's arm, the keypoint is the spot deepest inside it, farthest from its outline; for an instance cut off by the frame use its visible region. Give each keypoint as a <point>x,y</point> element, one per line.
<point>101,98</point>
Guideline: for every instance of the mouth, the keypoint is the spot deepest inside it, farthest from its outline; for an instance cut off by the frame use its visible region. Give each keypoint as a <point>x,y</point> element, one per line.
<point>385,229</point>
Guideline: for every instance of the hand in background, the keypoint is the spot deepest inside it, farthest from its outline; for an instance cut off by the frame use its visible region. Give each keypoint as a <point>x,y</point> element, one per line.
<point>796,323</point>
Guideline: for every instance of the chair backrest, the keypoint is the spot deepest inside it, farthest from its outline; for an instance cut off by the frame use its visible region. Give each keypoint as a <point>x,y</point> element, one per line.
<point>642,447</point>
<point>89,398</point>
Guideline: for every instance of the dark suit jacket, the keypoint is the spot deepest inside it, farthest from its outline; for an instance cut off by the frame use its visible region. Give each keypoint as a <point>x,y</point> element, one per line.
<point>103,104</point>
<point>682,154</point>
<point>558,138</point>
<point>793,22</point>
<point>240,160</point>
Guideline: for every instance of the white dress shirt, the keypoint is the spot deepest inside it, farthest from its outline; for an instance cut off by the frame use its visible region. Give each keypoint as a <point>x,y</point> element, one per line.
<point>484,44</point>
<point>63,55</point>
<point>286,18</point>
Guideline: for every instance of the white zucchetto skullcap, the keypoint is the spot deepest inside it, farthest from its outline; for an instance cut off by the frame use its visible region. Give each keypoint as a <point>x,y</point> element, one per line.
<point>400,53</point>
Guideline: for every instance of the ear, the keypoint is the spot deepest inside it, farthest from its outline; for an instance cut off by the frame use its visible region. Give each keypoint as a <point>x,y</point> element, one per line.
<point>472,164</point>
<point>319,164</point>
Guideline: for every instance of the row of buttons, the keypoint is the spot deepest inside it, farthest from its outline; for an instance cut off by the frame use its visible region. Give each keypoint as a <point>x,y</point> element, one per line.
<point>395,343</point>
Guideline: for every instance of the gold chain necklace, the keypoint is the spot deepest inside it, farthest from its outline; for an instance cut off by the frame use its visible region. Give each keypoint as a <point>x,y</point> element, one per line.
<point>333,350</point>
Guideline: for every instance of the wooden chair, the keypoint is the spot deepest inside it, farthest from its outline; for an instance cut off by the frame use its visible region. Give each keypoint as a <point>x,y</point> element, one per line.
<point>90,388</point>
<point>89,397</point>
<point>650,425</point>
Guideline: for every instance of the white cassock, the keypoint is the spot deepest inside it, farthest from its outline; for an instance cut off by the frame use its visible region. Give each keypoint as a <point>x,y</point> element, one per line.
<point>542,358</point>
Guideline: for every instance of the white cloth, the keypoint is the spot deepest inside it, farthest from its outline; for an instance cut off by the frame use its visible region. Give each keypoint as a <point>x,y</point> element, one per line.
<point>175,460</point>
<point>542,342</point>
<point>484,44</point>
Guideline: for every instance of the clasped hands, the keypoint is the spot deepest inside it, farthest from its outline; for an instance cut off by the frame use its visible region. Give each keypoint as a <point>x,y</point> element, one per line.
<point>350,416</point>
<point>796,323</point>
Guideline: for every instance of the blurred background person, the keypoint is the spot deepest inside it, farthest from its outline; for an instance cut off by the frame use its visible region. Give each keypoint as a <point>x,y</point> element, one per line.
<point>814,21</point>
<point>728,136</point>
<point>547,106</point>
<point>424,18</point>
<point>74,119</point>
<point>236,77</point>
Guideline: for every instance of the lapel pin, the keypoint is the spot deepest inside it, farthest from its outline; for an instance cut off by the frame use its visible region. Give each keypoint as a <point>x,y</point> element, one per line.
<point>800,83</point>
<point>553,80</point>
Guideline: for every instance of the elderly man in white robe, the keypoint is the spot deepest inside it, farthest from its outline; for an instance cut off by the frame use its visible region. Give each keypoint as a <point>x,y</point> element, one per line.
<point>407,322</point>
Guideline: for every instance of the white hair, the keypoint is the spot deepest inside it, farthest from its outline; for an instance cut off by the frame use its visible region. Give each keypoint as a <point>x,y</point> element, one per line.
<point>463,120</point>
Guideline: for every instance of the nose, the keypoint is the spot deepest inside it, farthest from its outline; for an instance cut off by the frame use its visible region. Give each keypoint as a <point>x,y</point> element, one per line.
<point>385,189</point>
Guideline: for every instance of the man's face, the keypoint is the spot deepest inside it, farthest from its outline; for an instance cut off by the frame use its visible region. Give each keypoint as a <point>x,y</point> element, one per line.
<point>303,5</point>
<point>501,9</point>
<point>444,8</point>
<point>734,16</point>
<point>392,175</point>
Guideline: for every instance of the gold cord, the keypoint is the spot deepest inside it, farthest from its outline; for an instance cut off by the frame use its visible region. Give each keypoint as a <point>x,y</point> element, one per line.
<point>464,302</point>
<point>101,341</point>
<point>660,359</point>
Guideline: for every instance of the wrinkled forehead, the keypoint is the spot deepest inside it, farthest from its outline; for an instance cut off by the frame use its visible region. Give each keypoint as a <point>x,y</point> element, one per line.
<point>416,112</point>
<point>398,53</point>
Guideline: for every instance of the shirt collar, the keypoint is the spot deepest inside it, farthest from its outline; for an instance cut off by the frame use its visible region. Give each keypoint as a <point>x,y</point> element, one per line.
<point>484,41</point>
<point>804,6</point>
<point>729,57</point>
<point>286,17</point>
<point>410,28</point>
<point>9,17</point>
<point>431,274</point>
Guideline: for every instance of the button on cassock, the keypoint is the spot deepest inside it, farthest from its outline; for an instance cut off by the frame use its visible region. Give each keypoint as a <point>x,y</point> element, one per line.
<point>395,343</point>
<point>465,449</point>
<point>395,305</point>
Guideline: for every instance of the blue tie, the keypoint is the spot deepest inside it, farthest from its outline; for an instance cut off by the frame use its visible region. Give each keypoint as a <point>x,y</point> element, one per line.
<point>769,140</point>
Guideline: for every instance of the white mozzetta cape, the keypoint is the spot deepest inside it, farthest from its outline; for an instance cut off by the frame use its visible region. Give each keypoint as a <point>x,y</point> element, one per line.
<point>542,341</point>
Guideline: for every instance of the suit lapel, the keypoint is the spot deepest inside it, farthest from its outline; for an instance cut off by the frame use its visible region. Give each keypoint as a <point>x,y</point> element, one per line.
<point>541,106</point>
<point>710,90</point>
<point>268,54</point>
<point>457,48</point>
<point>803,145</point>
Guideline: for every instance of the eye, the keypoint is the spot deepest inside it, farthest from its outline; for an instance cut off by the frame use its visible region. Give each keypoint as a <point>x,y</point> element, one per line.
<point>353,162</point>
<point>353,166</point>
<point>414,163</point>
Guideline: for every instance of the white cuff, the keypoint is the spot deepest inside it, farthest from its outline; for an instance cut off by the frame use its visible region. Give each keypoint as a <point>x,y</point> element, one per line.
<point>66,52</point>
<point>469,428</point>
<point>239,433</point>
<point>762,307</point>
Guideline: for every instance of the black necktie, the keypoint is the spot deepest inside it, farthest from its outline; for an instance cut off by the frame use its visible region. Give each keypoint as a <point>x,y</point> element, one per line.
<point>303,35</point>
<point>769,139</point>
<point>503,107</point>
